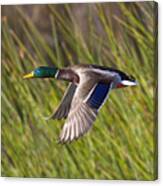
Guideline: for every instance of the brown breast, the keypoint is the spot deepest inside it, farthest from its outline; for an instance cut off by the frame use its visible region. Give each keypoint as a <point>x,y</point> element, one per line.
<point>68,75</point>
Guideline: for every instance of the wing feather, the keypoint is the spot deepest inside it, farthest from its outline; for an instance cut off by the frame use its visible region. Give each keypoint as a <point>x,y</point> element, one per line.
<point>64,107</point>
<point>78,123</point>
<point>88,98</point>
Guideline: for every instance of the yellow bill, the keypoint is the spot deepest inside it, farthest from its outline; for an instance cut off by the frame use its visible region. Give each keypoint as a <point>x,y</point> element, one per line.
<point>30,75</point>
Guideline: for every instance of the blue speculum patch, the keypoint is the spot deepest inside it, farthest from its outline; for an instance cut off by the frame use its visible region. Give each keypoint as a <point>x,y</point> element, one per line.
<point>98,95</point>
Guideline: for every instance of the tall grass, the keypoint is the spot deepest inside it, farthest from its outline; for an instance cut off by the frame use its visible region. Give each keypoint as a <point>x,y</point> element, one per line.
<point>122,143</point>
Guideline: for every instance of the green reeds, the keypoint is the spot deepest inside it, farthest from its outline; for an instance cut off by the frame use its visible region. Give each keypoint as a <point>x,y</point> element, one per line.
<point>121,144</point>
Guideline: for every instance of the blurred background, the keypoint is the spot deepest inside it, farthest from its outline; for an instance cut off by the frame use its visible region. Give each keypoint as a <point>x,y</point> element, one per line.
<point>123,141</point>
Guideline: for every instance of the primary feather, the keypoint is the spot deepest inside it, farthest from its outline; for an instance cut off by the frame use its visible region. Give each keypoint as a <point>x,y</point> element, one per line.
<point>64,107</point>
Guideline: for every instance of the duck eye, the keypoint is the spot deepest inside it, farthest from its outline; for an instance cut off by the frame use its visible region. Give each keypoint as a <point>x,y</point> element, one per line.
<point>38,71</point>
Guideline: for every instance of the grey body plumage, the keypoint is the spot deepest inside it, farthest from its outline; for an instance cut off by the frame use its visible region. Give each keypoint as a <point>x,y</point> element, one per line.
<point>74,105</point>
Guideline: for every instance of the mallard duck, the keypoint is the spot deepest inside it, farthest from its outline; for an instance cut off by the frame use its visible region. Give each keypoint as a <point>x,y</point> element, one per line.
<point>89,86</point>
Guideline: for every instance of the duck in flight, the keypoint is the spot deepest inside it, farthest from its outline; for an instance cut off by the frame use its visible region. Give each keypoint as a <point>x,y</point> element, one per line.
<point>89,86</point>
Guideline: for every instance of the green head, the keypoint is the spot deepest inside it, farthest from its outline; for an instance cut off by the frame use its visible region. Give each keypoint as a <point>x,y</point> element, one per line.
<point>42,72</point>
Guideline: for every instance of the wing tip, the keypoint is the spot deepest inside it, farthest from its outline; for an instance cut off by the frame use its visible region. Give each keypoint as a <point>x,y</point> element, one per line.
<point>63,142</point>
<point>68,141</point>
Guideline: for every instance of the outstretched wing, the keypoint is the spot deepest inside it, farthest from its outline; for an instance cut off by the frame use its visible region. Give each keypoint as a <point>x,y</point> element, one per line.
<point>83,112</point>
<point>64,107</point>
